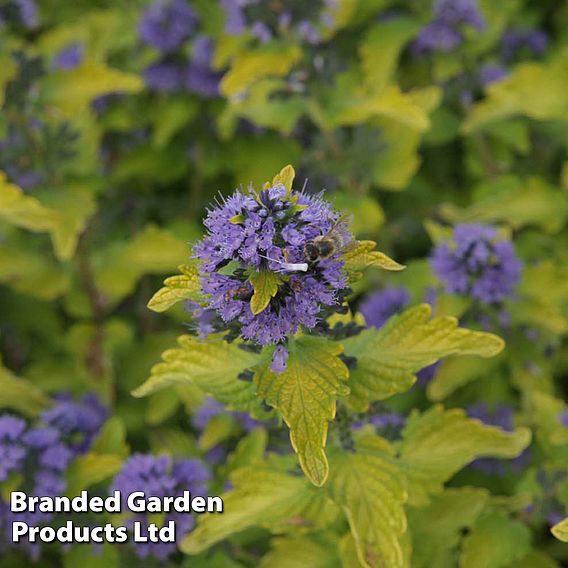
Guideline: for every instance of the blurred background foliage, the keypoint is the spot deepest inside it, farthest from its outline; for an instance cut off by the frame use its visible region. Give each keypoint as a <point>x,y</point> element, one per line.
<point>122,121</point>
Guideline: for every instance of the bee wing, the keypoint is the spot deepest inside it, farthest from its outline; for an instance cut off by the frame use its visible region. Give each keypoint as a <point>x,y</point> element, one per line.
<point>340,231</point>
<point>340,228</point>
<point>350,246</point>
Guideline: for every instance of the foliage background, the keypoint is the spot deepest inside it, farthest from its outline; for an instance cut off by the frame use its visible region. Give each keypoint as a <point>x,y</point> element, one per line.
<point>107,172</point>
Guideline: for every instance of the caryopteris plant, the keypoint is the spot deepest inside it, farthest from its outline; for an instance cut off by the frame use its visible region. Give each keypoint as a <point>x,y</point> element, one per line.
<point>268,288</point>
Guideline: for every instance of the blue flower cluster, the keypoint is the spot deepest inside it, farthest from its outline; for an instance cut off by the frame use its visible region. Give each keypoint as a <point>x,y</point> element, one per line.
<point>266,231</point>
<point>167,26</point>
<point>159,476</point>
<point>445,32</point>
<point>19,13</point>
<point>265,20</point>
<point>477,263</point>
<point>37,456</point>
<point>380,306</point>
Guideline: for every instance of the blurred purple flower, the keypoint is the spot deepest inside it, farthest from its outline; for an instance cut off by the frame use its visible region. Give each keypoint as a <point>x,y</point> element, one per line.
<point>212,408</point>
<point>491,73</point>
<point>265,20</point>
<point>459,12</point>
<point>424,376</point>
<point>41,456</point>
<point>157,476</point>
<point>12,449</point>
<point>517,40</point>
<point>436,36</point>
<point>378,307</point>
<point>563,418</point>
<point>200,77</point>
<point>166,24</point>
<point>69,57</point>
<point>79,422</point>
<point>477,263</point>
<point>164,77</point>
<point>19,12</point>
<point>445,33</point>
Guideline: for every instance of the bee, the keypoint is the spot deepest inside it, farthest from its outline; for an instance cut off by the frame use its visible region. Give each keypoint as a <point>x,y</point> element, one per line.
<point>336,240</point>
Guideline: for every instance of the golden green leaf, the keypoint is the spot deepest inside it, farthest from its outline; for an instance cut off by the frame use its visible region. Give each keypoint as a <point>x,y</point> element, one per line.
<point>305,394</point>
<point>177,289</point>
<point>387,359</point>
<point>265,284</point>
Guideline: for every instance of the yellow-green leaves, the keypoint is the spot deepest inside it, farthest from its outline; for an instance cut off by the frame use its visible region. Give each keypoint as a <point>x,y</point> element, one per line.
<point>20,394</point>
<point>23,210</point>
<point>63,214</point>
<point>305,395</point>
<point>560,530</point>
<point>439,443</point>
<point>516,202</point>
<point>494,541</point>
<point>381,47</point>
<point>388,358</point>
<point>285,177</point>
<point>364,255</point>
<point>90,469</point>
<point>265,284</point>
<point>301,550</point>
<point>176,289</point>
<point>118,267</point>
<point>371,492</point>
<point>213,366</point>
<point>251,66</point>
<point>261,497</point>
<point>456,509</point>
<point>72,92</point>
<point>536,90</point>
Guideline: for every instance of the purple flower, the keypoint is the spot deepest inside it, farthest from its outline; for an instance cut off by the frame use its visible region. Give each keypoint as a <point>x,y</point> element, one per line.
<point>166,24</point>
<point>203,319</point>
<point>563,418</point>
<point>212,408</point>
<point>458,12</point>
<point>200,77</point>
<point>279,359</point>
<point>491,73</point>
<point>19,12</point>
<point>77,421</point>
<point>501,416</point>
<point>13,451</point>
<point>389,420</point>
<point>164,77</point>
<point>41,456</point>
<point>388,423</point>
<point>69,57</point>
<point>436,36</point>
<point>157,476</point>
<point>444,33</point>
<point>380,306</point>
<point>251,233</point>
<point>476,263</point>
<point>518,40</point>
<point>424,376</point>
<point>264,19</point>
